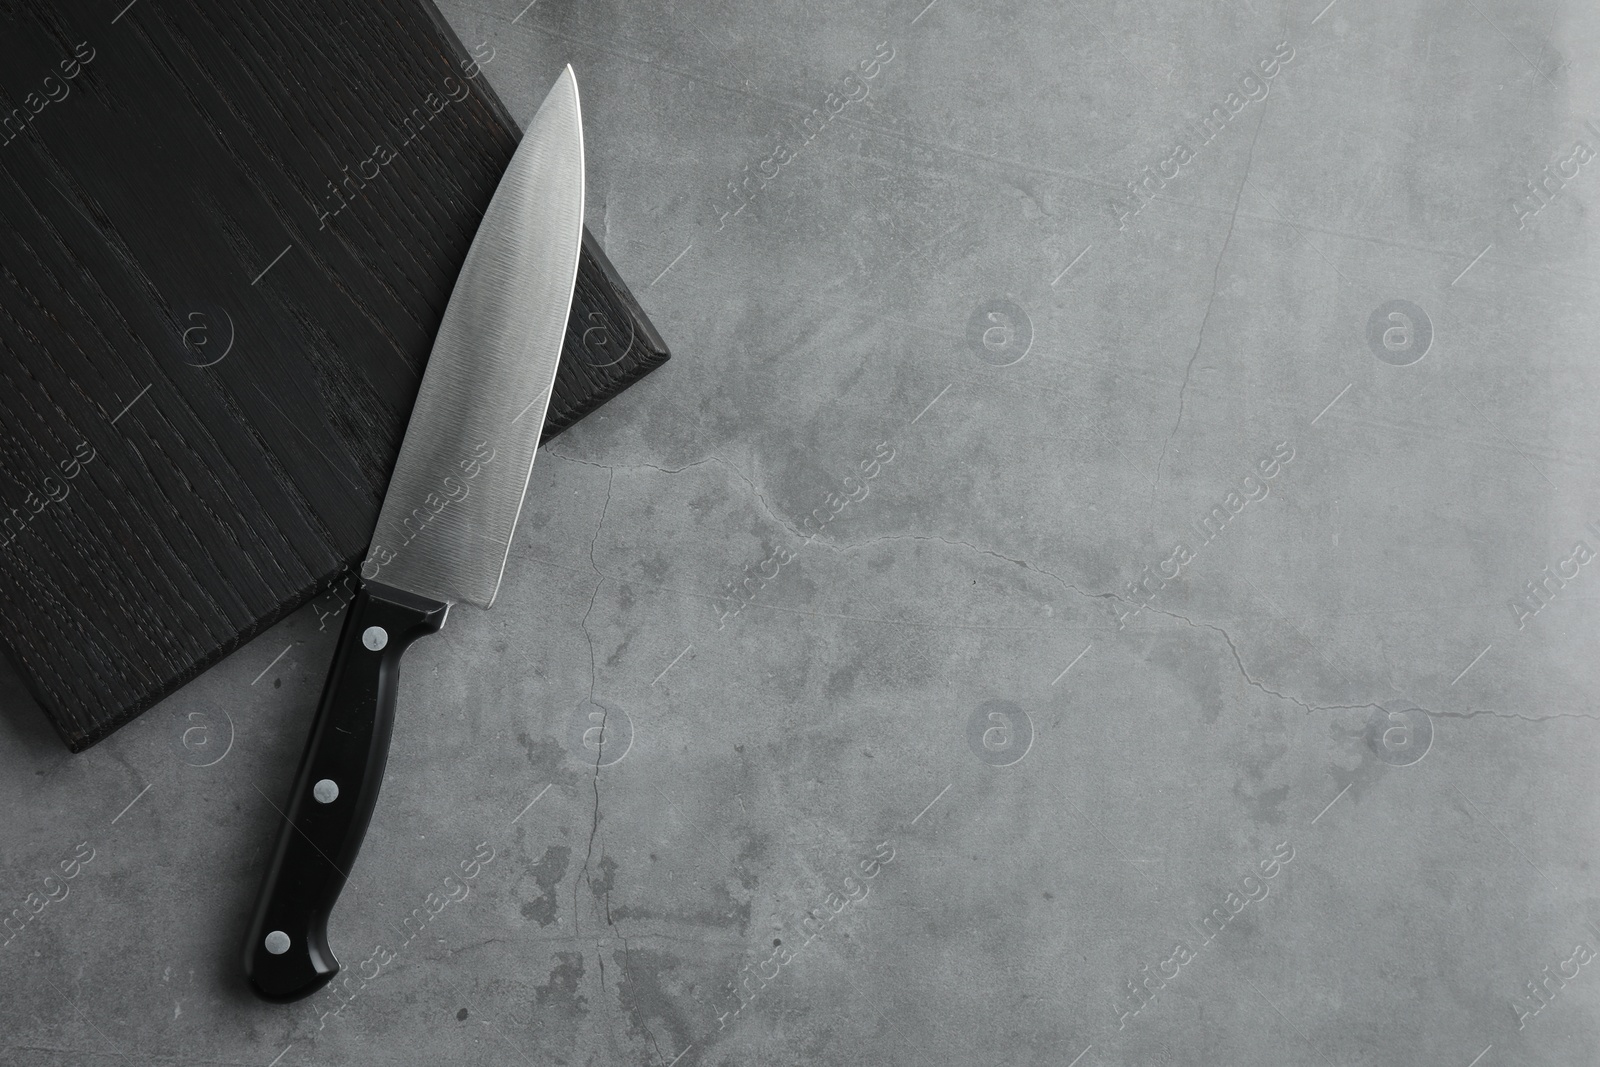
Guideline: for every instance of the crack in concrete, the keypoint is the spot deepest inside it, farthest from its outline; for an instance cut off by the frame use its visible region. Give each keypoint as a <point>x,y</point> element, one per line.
<point>583,874</point>
<point>1470,714</point>
<point>1233,647</point>
<point>1024,564</point>
<point>594,827</point>
<point>584,623</point>
<point>1216,277</point>
<point>766,505</point>
<point>1237,659</point>
<point>1473,714</point>
<point>583,939</point>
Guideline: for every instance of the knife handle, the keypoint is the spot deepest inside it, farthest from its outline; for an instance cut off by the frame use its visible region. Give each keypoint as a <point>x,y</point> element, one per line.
<point>286,956</point>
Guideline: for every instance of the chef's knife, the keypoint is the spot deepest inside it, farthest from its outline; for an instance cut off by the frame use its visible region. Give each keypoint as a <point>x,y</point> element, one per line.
<point>443,532</point>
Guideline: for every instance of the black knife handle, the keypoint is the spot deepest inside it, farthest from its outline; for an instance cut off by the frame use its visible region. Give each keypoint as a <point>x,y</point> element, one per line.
<point>286,956</point>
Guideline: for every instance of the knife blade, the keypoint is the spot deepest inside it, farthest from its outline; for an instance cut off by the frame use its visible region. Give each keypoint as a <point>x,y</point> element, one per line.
<point>443,532</point>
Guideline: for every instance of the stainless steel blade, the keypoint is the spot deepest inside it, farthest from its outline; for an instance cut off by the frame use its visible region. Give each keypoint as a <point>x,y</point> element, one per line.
<point>453,500</point>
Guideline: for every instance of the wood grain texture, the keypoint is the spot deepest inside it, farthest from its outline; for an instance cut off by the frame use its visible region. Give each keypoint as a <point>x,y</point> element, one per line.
<point>229,234</point>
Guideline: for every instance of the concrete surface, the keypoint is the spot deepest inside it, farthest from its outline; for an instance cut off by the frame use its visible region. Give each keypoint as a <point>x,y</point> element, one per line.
<point>1324,797</point>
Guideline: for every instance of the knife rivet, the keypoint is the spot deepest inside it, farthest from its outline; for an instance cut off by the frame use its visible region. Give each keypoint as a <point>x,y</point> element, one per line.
<point>326,791</point>
<point>277,942</point>
<point>375,637</point>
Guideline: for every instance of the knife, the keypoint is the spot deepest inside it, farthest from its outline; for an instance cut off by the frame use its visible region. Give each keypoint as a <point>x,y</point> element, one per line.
<point>443,532</point>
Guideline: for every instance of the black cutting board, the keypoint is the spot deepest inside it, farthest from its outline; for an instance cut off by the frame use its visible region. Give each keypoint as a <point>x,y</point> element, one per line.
<point>228,234</point>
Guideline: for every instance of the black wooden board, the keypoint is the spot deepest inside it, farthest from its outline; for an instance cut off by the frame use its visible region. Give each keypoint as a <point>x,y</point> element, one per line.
<point>228,234</point>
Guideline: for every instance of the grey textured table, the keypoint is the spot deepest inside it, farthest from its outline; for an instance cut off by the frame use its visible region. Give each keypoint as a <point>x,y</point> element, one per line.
<point>1119,567</point>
